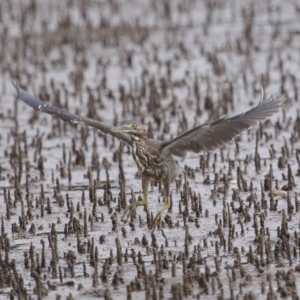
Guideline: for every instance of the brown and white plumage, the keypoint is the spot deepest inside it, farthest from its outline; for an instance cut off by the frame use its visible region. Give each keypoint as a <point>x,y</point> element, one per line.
<point>154,158</point>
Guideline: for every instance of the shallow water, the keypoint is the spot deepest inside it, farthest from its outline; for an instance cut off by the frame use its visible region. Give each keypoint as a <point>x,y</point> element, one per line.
<point>159,54</point>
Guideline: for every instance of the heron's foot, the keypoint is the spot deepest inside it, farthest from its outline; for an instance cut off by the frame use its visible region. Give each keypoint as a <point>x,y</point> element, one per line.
<point>157,219</point>
<point>131,209</point>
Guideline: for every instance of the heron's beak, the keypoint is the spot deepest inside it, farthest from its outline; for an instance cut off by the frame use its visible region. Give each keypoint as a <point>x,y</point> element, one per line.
<point>122,129</point>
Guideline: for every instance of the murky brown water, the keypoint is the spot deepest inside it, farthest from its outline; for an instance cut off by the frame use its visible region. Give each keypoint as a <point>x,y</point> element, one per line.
<point>171,65</point>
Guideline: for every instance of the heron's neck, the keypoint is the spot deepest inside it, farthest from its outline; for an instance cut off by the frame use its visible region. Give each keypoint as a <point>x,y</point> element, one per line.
<point>140,148</point>
<point>141,139</point>
<point>140,142</point>
<point>135,138</point>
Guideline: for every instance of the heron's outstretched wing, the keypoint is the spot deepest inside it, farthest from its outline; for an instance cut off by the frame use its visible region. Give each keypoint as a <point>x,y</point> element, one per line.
<point>210,136</point>
<point>66,116</point>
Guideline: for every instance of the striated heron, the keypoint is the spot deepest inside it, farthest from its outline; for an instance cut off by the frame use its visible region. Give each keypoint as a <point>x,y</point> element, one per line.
<point>154,158</point>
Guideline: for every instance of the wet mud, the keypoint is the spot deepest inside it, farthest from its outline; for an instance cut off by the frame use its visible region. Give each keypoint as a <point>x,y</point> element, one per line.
<point>233,227</point>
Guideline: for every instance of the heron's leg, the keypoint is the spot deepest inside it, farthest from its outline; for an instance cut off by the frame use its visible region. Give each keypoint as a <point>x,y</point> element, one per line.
<point>130,210</point>
<point>157,220</point>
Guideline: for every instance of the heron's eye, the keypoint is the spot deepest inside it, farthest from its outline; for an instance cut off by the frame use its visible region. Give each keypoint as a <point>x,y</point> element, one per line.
<point>133,126</point>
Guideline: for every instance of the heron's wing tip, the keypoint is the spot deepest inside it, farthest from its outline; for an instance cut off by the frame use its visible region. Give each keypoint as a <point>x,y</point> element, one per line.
<point>16,85</point>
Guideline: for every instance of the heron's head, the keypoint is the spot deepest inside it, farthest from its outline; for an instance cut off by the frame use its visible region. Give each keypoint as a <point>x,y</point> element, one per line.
<point>134,128</point>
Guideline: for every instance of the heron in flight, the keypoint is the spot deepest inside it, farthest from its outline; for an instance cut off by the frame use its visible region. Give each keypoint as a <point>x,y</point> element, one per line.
<point>154,158</point>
